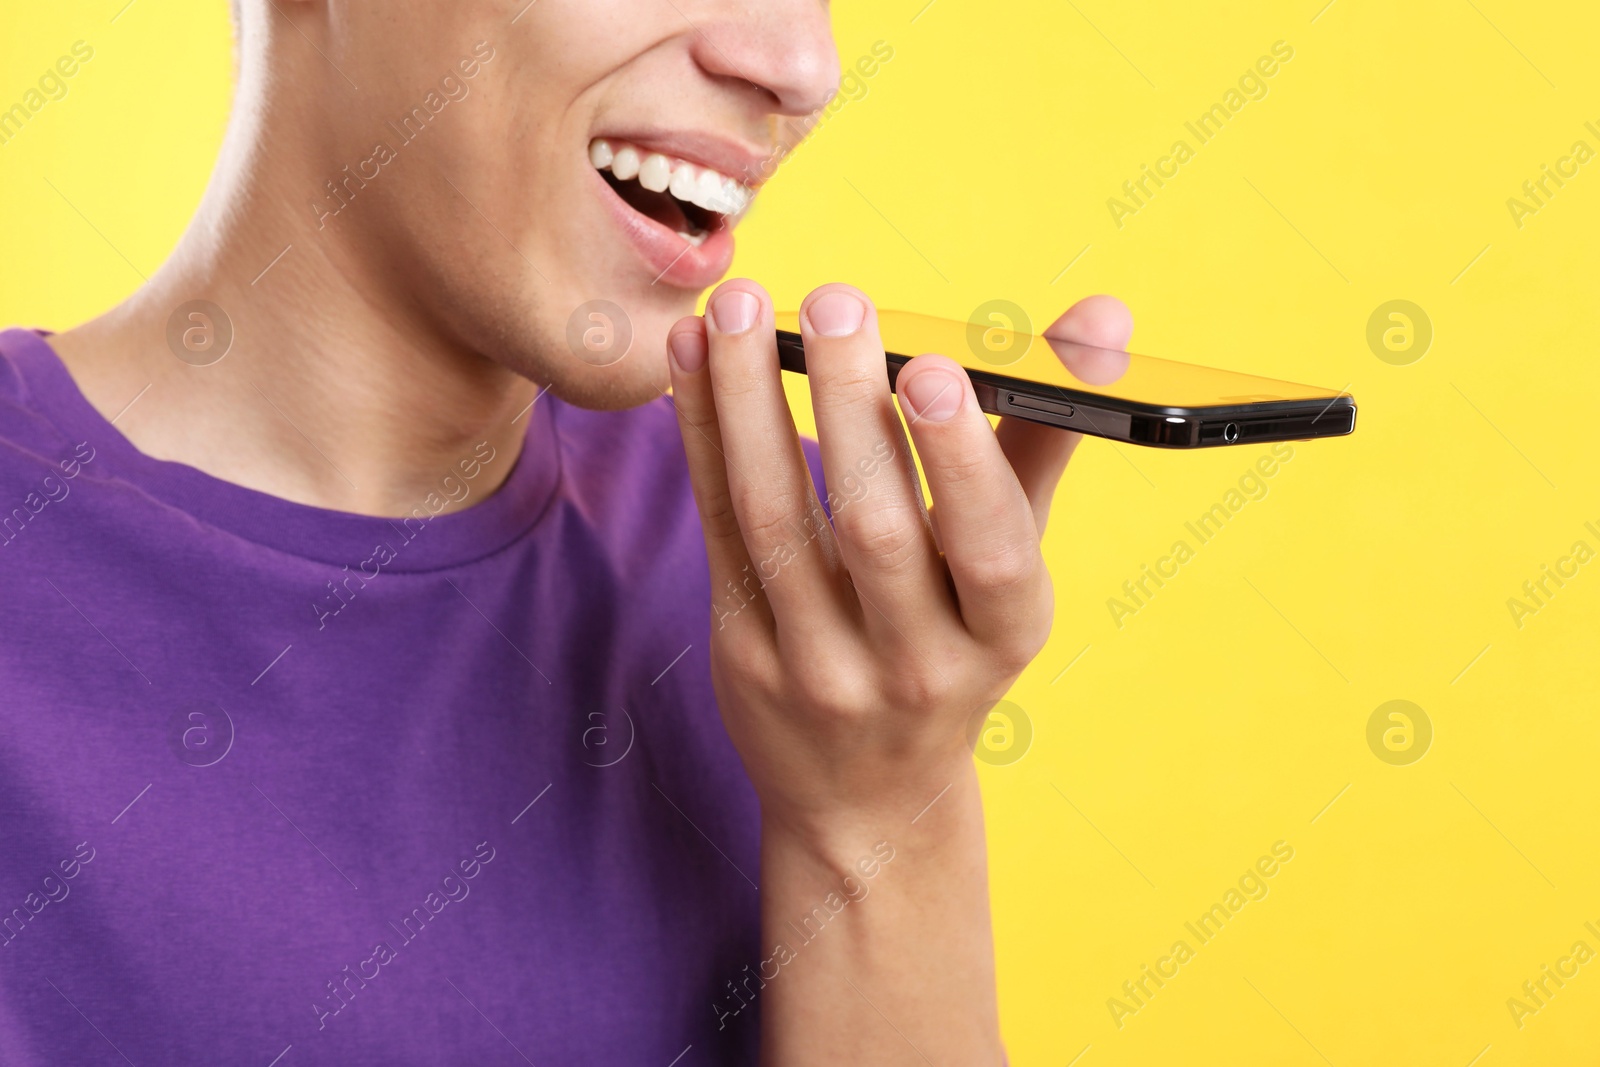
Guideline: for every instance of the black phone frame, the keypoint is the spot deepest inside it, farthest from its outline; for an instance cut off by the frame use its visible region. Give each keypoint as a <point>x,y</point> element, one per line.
<point>1130,421</point>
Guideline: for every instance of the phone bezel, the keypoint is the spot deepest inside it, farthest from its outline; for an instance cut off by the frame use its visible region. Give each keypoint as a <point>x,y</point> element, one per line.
<point>1131,421</point>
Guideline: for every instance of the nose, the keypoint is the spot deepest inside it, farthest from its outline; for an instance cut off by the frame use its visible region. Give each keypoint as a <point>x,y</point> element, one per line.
<point>782,48</point>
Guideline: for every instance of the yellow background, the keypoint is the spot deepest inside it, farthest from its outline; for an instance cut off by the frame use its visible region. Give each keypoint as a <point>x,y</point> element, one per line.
<point>1228,712</point>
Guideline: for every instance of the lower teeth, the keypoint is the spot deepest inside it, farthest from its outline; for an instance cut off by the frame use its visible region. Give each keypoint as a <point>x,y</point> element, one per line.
<point>698,238</point>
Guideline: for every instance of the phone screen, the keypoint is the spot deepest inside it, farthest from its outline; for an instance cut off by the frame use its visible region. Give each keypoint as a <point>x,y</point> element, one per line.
<point>1084,368</point>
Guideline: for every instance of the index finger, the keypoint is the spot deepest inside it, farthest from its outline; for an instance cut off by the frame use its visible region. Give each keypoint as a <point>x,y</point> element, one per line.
<point>726,558</point>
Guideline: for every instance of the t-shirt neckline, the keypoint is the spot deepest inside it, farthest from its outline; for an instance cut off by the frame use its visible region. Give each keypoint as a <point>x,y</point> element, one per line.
<point>424,540</point>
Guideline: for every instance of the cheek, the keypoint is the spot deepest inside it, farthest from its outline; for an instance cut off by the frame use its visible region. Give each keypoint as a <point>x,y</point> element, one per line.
<point>526,238</point>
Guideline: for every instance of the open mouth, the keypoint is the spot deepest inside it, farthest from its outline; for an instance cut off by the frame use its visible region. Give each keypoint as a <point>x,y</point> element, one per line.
<point>690,200</point>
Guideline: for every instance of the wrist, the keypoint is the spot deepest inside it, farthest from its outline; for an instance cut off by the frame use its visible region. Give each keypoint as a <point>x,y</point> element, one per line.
<point>880,912</point>
<point>940,815</point>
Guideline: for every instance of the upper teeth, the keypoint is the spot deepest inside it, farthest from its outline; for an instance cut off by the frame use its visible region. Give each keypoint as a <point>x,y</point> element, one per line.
<point>701,186</point>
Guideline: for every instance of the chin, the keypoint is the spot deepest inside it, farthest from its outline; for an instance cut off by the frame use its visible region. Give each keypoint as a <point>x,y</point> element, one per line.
<point>588,379</point>
<point>625,384</point>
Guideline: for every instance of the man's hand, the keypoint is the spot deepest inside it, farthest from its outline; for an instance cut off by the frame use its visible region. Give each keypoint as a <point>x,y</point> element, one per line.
<point>854,664</point>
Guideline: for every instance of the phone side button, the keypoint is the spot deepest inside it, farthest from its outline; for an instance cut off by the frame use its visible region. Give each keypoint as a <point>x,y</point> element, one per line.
<point>1034,403</point>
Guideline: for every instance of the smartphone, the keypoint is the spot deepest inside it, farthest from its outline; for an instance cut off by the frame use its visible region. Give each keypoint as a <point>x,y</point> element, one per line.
<point>1117,395</point>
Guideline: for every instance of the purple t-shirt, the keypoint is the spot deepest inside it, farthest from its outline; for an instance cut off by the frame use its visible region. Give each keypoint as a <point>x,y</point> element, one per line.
<point>281,785</point>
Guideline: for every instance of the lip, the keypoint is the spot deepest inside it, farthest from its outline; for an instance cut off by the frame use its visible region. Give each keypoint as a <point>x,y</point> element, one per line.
<point>671,259</point>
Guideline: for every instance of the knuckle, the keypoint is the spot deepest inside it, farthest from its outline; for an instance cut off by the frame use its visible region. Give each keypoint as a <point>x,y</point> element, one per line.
<point>717,516</point>
<point>1021,644</point>
<point>917,686</point>
<point>770,516</point>
<point>1013,655</point>
<point>698,420</point>
<point>884,538</point>
<point>752,664</point>
<point>834,695</point>
<point>852,385</point>
<point>1001,568</point>
<point>960,469</point>
<point>744,385</point>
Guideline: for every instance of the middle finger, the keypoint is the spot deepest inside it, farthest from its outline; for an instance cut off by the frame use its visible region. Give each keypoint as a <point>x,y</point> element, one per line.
<point>785,531</point>
<point>878,513</point>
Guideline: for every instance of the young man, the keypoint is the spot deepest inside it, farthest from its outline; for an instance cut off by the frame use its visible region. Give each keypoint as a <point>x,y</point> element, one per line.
<point>370,607</point>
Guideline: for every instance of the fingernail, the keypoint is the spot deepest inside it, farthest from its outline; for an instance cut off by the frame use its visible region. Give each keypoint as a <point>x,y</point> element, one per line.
<point>688,350</point>
<point>734,311</point>
<point>835,314</point>
<point>935,395</point>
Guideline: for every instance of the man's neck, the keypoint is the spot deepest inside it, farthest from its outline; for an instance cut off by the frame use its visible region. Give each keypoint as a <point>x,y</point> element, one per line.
<point>333,393</point>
